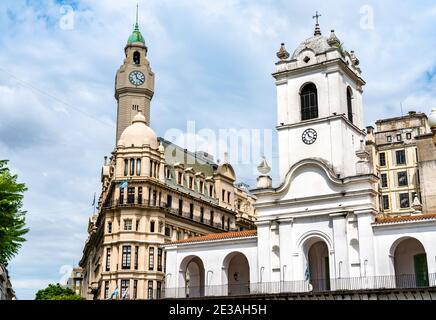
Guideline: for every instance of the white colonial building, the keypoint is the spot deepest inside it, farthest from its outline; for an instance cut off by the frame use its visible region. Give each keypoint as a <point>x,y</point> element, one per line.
<point>320,229</point>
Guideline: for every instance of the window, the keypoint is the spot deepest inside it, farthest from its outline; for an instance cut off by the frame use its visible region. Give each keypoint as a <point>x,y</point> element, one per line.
<point>158,289</point>
<point>399,137</point>
<point>167,173</point>
<point>151,226</point>
<point>108,259</point>
<point>201,214</point>
<point>169,201</point>
<point>150,289</point>
<point>349,104</point>
<point>125,289</point>
<point>127,224</point>
<point>211,217</point>
<point>135,289</point>
<point>179,235</point>
<point>159,259</point>
<point>224,195</point>
<point>132,167</point>
<point>222,222</point>
<point>180,206</point>
<point>165,262</point>
<point>200,187</point>
<point>135,107</point>
<point>402,178</point>
<point>190,182</point>
<point>121,195</point>
<point>138,167</point>
<point>136,257</point>
<point>309,102</point>
<point>385,203</point>
<point>228,196</point>
<point>126,167</point>
<point>126,258</point>
<point>382,159</point>
<point>109,227</point>
<point>210,191</point>
<point>168,231</point>
<point>106,290</point>
<point>389,139</point>
<point>136,57</point>
<point>228,224</point>
<point>151,258</point>
<point>404,200</point>
<point>154,198</point>
<point>191,210</point>
<point>179,178</point>
<point>139,195</point>
<point>400,156</point>
<point>151,167</point>
<point>130,195</point>
<point>408,136</point>
<point>384,180</point>
<point>137,225</point>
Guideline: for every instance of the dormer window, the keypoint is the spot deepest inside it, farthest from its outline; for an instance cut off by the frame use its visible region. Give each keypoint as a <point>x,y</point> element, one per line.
<point>136,57</point>
<point>306,59</point>
<point>309,102</point>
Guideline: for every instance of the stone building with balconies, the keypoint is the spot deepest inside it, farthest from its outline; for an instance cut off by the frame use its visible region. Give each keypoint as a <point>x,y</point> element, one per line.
<point>153,192</point>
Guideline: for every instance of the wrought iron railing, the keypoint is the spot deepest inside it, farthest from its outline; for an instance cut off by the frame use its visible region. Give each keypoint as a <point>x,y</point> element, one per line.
<point>155,204</point>
<point>408,281</point>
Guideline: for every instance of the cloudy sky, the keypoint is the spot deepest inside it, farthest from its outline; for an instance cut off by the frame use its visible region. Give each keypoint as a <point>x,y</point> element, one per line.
<point>213,62</point>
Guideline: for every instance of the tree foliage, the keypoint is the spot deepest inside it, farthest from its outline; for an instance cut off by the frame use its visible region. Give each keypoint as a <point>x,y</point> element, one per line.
<point>12,218</point>
<point>57,292</point>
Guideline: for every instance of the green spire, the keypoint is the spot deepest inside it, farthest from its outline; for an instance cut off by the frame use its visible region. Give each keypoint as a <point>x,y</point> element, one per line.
<point>136,35</point>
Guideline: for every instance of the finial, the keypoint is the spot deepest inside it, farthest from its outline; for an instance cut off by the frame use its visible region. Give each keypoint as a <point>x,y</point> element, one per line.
<point>317,29</point>
<point>333,41</point>
<point>137,9</point>
<point>282,54</point>
<point>263,167</point>
<point>226,157</point>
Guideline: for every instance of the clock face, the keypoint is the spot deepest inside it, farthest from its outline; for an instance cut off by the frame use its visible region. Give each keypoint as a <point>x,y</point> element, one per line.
<point>309,136</point>
<point>136,78</point>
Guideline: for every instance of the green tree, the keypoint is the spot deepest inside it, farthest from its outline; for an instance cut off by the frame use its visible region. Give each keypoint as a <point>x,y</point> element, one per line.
<point>12,220</point>
<point>57,292</point>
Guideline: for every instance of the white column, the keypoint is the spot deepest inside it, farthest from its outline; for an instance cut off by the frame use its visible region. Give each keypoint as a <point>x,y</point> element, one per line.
<point>340,244</point>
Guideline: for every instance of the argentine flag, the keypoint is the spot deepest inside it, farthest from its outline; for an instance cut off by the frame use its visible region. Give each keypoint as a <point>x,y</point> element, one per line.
<point>124,184</point>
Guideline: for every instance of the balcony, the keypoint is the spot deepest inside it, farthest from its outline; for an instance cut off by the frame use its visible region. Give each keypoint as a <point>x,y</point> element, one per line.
<point>151,204</point>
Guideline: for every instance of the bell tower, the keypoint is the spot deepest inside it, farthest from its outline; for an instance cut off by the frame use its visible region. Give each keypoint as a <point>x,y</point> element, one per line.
<point>134,82</point>
<point>319,104</point>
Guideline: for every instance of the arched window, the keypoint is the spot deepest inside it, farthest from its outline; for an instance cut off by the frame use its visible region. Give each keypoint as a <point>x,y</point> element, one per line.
<point>349,104</point>
<point>136,57</point>
<point>132,167</point>
<point>138,167</point>
<point>126,167</point>
<point>309,102</point>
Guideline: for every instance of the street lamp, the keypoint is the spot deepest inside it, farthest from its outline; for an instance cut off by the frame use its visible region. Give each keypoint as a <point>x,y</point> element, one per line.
<point>432,123</point>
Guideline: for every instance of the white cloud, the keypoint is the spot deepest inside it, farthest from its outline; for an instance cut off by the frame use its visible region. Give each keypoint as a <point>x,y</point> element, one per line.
<point>213,62</point>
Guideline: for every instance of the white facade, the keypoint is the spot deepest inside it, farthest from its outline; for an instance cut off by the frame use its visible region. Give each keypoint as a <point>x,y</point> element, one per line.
<point>320,229</point>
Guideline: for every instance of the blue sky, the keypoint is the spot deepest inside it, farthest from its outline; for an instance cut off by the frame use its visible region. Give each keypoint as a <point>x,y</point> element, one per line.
<point>213,62</point>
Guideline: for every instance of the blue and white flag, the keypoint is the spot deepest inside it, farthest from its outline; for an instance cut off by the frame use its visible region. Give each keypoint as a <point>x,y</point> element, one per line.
<point>307,273</point>
<point>115,293</point>
<point>124,184</point>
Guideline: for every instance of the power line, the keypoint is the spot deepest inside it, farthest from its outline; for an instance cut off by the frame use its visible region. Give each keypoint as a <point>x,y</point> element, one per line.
<point>44,93</point>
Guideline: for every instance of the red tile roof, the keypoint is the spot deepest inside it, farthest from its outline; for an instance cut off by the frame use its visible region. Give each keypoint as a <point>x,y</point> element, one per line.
<point>417,217</point>
<point>219,236</point>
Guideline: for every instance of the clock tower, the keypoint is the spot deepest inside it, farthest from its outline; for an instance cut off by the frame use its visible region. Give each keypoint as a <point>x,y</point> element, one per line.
<point>319,104</point>
<point>134,82</point>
